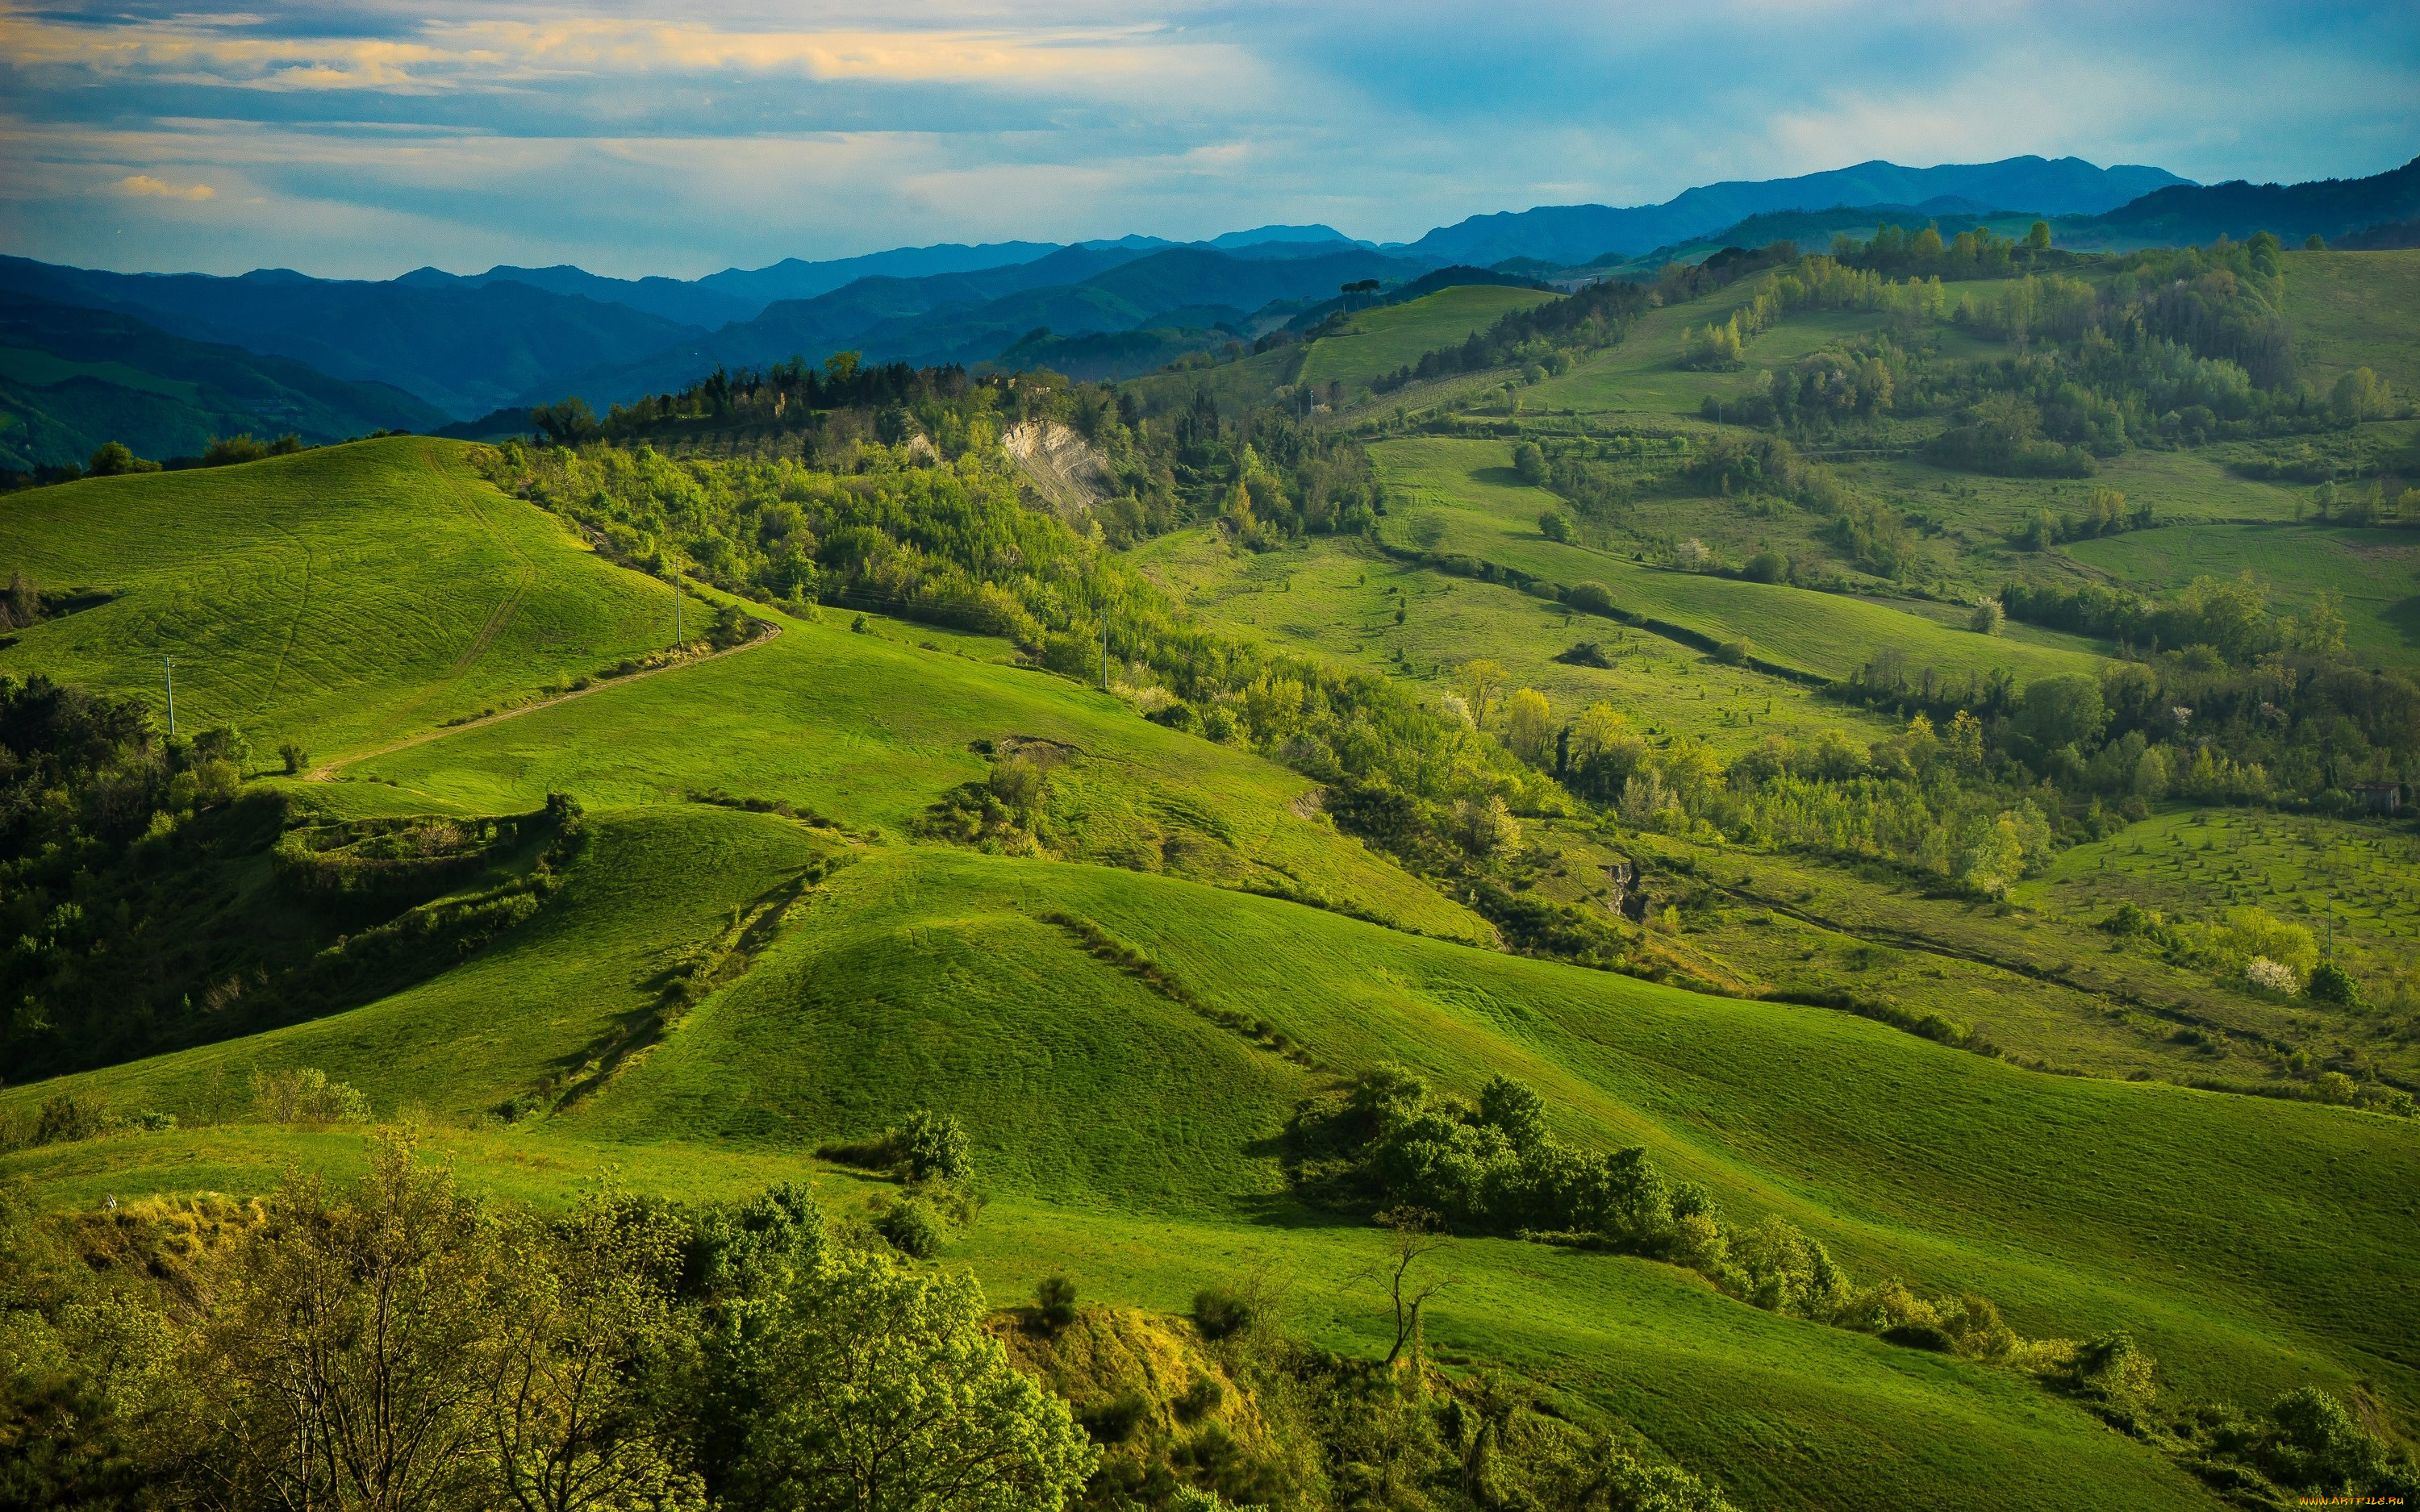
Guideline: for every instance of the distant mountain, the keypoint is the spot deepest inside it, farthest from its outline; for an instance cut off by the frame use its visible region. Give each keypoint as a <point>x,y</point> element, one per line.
<point>73,377</point>
<point>973,317</point>
<point>1813,230</point>
<point>792,279</point>
<point>668,299</point>
<point>2329,207</point>
<point>465,349</point>
<point>1569,235</point>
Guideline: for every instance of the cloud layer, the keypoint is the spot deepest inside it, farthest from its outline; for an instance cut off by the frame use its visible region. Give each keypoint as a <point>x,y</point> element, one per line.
<point>367,139</point>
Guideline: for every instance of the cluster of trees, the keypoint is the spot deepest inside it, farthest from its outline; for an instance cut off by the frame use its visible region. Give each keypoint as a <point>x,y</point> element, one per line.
<point>395,1343</point>
<point>1981,252</point>
<point>116,460</point>
<point>1597,315</point>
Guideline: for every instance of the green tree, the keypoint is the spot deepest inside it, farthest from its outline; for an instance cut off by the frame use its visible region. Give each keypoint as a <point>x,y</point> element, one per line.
<point>2063,711</point>
<point>115,458</point>
<point>1531,463</point>
<point>881,1392</point>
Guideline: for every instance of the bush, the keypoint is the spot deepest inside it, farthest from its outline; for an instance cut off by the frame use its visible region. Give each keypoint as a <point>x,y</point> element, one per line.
<point>2333,983</point>
<point>1767,566</point>
<point>1054,1302</point>
<point>934,1145</point>
<point>115,459</point>
<point>1553,525</point>
<point>304,1095</point>
<point>69,1116</point>
<point>1732,653</point>
<point>1531,463</point>
<point>1590,597</point>
<point>912,1228</point>
<point>1221,1312</point>
<point>1198,1400</point>
<point>294,756</point>
<point>1114,1421</point>
<point>1989,617</point>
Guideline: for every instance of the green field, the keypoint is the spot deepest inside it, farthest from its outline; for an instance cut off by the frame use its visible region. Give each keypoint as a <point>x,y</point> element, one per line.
<point>348,596</point>
<point>756,828</point>
<point>1469,487</point>
<point>1377,342</point>
<point>2376,572</point>
<point>2357,309</point>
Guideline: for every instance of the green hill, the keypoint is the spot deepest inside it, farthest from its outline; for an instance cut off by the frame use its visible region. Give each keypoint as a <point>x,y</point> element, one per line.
<point>345,597</point>
<point>1377,342</point>
<point>800,906</point>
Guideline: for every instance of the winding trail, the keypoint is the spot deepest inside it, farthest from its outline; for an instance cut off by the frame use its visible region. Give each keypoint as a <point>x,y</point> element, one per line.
<point>328,771</point>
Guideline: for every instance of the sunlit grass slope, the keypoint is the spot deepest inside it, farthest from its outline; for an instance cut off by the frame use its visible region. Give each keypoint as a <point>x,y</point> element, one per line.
<point>346,596</point>
<point>2357,309</point>
<point>1337,600</point>
<point>1487,512</point>
<point>1377,342</point>
<point>2373,571</point>
<point>870,731</point>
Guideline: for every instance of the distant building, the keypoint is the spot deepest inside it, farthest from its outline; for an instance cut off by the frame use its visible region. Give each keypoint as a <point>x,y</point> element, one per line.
<point>2378,797</point>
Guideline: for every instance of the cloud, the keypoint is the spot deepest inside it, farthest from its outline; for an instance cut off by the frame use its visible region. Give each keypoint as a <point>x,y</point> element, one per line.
<point>142,185</point>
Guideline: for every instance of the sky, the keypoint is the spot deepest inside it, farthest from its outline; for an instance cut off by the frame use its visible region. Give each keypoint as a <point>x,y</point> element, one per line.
<point>366,140</point>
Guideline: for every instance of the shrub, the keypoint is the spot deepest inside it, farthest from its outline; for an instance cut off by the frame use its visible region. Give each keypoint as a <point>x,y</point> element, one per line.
<point>1114,1421</point>
<point>934,1145</point>
<point>2333,983</point>
<point>1989,618</point>
<point>1553,525</point>
<point>1767,566</point>
<point>1220,1312</point>
<point>912,1228</point>
<point>1590,597</point>
<point>115,459</point>
<point>294,756</point>
<point>1200,1399</point>
<point>2271,976</point>
<point>1529,462</point>
<point>69,1116</point>
<point>304,1095</point>
<point>1732,653</point>
<point>1054,1302</point>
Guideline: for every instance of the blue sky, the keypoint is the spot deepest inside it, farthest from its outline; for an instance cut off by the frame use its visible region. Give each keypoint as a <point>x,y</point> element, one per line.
<point>365,139</point>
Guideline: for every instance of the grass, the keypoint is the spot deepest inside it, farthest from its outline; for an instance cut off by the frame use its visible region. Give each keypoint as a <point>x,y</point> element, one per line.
<point>2373,570</point>
<point>1469,488</point>
<point>347,595</point>
<point>1337,600</point>
<point>2300,868</point>
<point>1377,342</point>
<point>2357,309</point>
<point>1125,1132</point>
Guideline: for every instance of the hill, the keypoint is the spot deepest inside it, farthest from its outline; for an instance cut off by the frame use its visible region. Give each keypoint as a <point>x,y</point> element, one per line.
<point>2182,215</point>
<point>464,350</point>
<point>72,379</point>
<point>1571,235</point>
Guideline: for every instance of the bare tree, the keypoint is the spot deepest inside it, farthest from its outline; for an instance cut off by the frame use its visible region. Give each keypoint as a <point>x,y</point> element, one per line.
<point>1418,1233</point>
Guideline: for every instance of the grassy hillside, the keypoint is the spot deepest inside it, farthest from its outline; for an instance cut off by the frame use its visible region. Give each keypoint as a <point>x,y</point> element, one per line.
<point>1377,342</point>
<point>1469,488</point>
<point>2357,309</point>
<point>346,596</point>
<point>2373,571</point>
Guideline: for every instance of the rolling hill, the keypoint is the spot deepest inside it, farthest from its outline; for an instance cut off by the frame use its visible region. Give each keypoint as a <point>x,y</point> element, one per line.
<point>72,379</point>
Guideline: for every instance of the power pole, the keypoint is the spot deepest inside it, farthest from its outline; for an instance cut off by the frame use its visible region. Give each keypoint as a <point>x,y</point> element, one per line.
<point>170,663</point>
<point>676,615</point>
<point>1105,649</point>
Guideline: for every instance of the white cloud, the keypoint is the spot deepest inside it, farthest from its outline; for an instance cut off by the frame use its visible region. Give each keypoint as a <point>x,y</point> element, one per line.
<point>143,185</point>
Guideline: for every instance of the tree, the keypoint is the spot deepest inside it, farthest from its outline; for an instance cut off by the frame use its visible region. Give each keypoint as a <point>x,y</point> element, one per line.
<point>2063,711</point>
<point>568,422</point>
<point>1416,1233</point>
<point>115,459</point>
<point>2038,235</point>
<point>1531,463</point>
<point>1528,724</point>
<point>1989,618</point>
<point>589,1314</point>
<point>1482,679</point>
<point>881,1392</point>
<point>295,757</point>
<point>1553,525</point>
<point>341,1364</point>
<point>934,1145</point>
<point>2362,394</point>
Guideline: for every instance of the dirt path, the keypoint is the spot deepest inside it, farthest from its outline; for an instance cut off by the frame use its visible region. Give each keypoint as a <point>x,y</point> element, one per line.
<point>328,771</point>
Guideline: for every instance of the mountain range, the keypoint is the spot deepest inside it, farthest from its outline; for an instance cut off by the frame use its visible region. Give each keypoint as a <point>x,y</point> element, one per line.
<point>464,346</point>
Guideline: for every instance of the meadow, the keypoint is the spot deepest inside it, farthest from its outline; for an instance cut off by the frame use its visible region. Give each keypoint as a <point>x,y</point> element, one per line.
<point>2357,309</point>
<point>1377,342</point>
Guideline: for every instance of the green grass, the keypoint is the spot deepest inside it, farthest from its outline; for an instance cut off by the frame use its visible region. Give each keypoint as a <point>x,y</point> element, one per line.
<point>1125,1137</point>
<point>2373,570</point>
<point>2300,868</point>
<point>41,370</point>
<point>2357,309</point>
<point>1379,341</point>
<point>1337,600</point>
<point>348,596</point>
<point>1488,512</point>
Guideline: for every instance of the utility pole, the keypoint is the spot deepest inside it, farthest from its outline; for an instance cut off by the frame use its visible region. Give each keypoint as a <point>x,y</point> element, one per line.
<point>170,663</point>
<point>1105,649</point>
<point>676,615</point>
